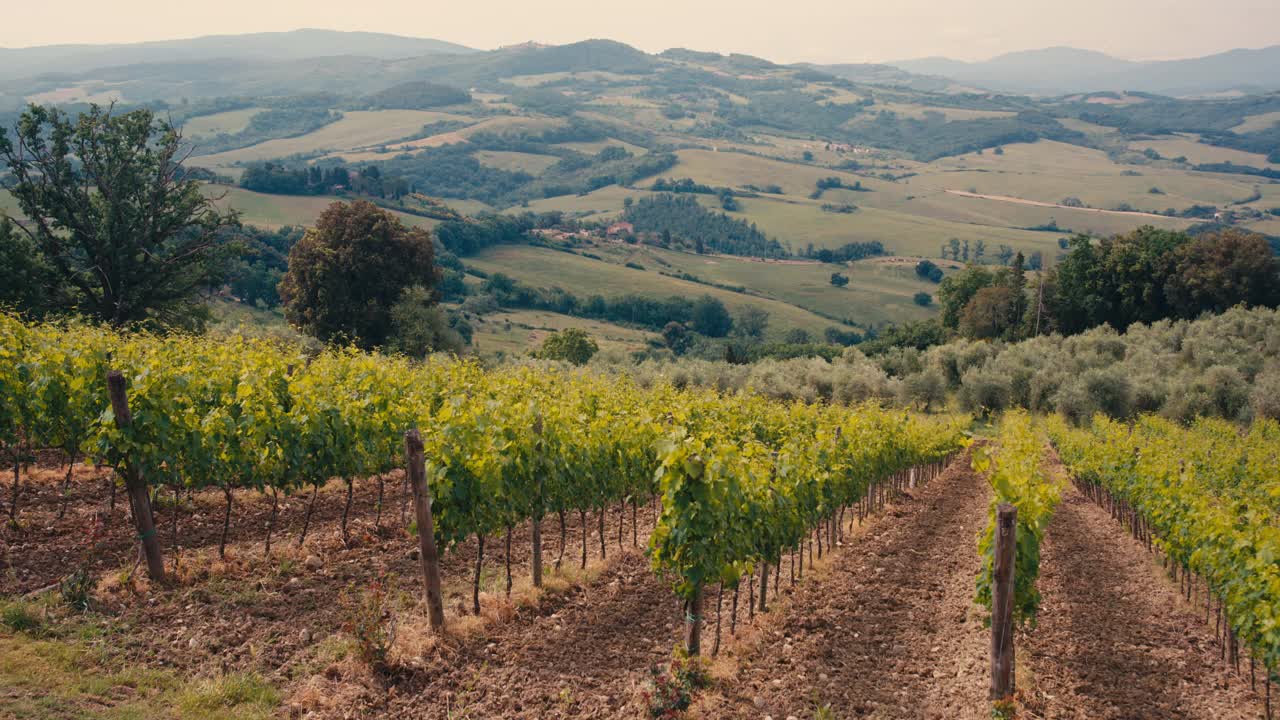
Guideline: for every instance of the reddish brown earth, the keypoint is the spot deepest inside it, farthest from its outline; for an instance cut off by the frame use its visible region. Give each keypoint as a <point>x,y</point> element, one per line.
<point>1115,640</point>
<point>885,628</point>
<point>888,630</point>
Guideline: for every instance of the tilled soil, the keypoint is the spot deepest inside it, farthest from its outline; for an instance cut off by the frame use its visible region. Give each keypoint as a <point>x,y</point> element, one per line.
<point>271,616</point>
<point>889,630</point>
<point>885,629</point>
<point>1115,640</point>
<point>585,657</point>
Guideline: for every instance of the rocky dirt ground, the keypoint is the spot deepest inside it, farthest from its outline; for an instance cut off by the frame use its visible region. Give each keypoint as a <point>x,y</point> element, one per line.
<point>883,627</point>
<point>1115,638</point>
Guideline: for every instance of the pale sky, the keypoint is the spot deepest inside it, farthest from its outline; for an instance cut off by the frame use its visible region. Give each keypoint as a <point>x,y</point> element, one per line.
<point>784,31</point>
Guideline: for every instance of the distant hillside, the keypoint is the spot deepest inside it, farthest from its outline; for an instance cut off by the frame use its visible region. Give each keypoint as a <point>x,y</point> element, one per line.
<point>335,66</point>
<point>875,74</point>
<point>294,45</point>
<point>1061,70</point>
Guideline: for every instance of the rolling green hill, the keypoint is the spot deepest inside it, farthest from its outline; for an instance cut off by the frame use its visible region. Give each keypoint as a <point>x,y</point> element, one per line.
<point>909,161</point>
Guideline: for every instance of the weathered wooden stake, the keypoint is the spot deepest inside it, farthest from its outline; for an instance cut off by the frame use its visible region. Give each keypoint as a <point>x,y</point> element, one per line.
<point>693,623</point>
<point>764,587</point>
<point>430,558</point>
<point>1002,678</point>
<point>139,498</point>
<point>537,543</point>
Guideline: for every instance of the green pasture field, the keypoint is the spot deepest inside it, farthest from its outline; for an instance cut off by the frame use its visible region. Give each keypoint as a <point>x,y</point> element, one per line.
<point>357,129</point>
<point>543,267</point>
<point>516,161</point>
<point>520,331</point>
<point>274,211</point>
<point>230,122</point>
<point>1200,153</point>
<point>877,293</point>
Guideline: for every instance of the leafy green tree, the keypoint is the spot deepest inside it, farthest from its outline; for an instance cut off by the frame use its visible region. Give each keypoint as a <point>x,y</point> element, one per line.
<point>839,280</point>
<point>109,209</point>
<point>751,322</point>
<point>572,345</point>
<point>419,326</point>
<point>1035,261</point>
<point>30,286</point>
<point>710,318</point>
<point>1219,270</point>
<point>957,289</point>
<point>992,313</point>
<point>346,274</point>
<point>1116,281</point>
<point>925,389</point>
<point>677,337</point>
<point>797,336</point>
<point>923,299</point>
<point>929,270</point>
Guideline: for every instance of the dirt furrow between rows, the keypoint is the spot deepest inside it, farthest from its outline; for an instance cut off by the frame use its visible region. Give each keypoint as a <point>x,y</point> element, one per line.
<point>586,659</point>
<point>889,630</point>
<point>1114,639</point>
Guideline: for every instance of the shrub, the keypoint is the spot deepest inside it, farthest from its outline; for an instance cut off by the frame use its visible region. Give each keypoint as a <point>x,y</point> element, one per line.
<point>924,390</point>
<point>1265,400</point>
<point>19,617</point>
<point>1110,391</point>
<point>670,690</point>
<point>372,623</point>
<point>420,327</point>
<point>1227,391</point>
<point>929,270</point>
<point>572,345</point>
<point>76,589</point>
<point>984,391</point>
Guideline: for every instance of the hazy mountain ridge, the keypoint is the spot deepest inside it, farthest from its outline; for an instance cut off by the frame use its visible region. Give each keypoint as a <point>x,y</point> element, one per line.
<point>292,45</point>
<point>1061,70</point>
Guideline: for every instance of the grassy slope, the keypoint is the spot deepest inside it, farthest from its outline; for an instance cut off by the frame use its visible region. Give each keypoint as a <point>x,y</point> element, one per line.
<point>877,292</point>
<point>356,129</point>
<point>1050,171</point>
<point>518,331</point>
<point>1254,123</point>
<point>1200,153</point>
<point>273,211</point>
<point>542,267</point>
<point>516,161</point>
<point>231,121</point>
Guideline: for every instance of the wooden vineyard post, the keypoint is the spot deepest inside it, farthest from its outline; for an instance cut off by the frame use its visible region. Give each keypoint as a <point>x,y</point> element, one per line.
<point>537,541</point>
<point>537,519</point>
<point>1002,678</point>
<point>693,622</point>
<point>139,498</point>
<point>426,528</point>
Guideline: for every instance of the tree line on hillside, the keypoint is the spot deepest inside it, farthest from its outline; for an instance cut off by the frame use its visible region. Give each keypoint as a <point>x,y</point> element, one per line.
<point>417,95</point>
<point>1224,366</point>
<point>683,219</point>
<point>368,181</point>
<point>1144,276</point>
<point>845,253</point>
<point>705,315</point>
